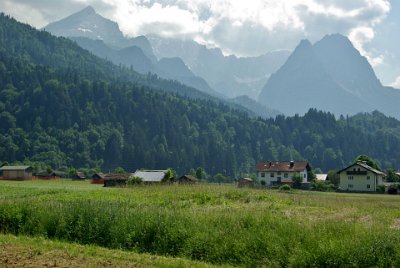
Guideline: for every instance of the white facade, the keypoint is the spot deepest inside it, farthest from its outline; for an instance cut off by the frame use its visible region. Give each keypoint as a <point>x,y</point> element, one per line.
<point>360,178</point>
<point>278,177</point>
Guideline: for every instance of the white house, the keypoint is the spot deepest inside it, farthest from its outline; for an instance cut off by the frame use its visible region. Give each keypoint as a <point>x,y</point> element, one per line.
<point>360,177</point>
<point>282,172</point>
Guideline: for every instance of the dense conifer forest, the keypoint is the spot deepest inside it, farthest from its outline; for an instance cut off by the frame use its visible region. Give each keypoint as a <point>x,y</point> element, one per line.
<point>64,107</point>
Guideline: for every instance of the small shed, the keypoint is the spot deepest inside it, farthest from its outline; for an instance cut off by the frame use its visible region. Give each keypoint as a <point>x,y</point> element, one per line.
<point>151,176</point>
<point>98,178</point>
<point>321,177</point>
<point>245,182</point>
<point>79,176</point>
<point>45,175</point>
<point>116,179</point>
<point>16,172</point>
<point>187,179</point>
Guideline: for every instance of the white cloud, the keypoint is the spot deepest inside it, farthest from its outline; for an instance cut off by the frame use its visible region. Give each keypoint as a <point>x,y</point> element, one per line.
<point>361,35</point>
<point>396,83</point>
<point>236,26</point>
<point>252,27</point>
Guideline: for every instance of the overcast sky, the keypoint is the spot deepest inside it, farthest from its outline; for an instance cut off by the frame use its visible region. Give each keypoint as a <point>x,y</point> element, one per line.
<point>244,27</point>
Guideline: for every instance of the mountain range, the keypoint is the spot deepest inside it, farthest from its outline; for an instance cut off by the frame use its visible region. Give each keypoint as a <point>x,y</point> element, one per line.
<point>330,75</point>
<point>104,39</point>
<point>228,75</point>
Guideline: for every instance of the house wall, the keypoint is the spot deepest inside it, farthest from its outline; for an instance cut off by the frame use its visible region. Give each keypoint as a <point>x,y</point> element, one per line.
<point>272,178</point>
<point>360,182</point>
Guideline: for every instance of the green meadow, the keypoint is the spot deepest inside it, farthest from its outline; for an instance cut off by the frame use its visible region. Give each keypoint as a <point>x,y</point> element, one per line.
<point>204,224</point>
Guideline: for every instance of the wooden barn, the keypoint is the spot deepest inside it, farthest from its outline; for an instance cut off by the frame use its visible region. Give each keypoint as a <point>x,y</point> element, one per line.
<point>116,179</point>
<point>79,176</point>
<point>187,179</point>
<point>44,175</point>
<point>98,178</point>
<point>245,182</point>
<point>16,172</point>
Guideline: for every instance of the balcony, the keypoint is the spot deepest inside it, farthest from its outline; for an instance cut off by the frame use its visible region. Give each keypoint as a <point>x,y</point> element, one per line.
<point>354,172</point>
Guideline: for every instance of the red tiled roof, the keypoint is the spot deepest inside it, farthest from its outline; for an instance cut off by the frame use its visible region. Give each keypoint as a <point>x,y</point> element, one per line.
<point>283,166</point>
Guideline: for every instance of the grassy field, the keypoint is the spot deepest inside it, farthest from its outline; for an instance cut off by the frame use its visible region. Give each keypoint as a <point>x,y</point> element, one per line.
<point>209,223</point>
<point>21,251</point>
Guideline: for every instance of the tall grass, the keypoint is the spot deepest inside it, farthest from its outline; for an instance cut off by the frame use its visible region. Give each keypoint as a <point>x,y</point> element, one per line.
<point>217,224</point>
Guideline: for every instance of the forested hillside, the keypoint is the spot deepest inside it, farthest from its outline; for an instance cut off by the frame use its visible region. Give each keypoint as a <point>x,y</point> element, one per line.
<point>62,106</point>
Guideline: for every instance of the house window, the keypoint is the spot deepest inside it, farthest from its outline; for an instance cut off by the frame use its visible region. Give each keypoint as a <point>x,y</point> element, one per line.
<point>279,173</point>
<point>272,175</point>
<point>368,186</point>
<point>304,175</point>
<point>368,177</point>
<point>350,178</point>
<point>262,175</point>
<point>350,185</point>
<point>285,175</point>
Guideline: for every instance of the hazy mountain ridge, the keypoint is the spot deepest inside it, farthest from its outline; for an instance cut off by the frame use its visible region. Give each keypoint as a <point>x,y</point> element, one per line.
<point>87,23</point>
<point>330,75</point>
<point>230,75</point>
<point>121,50</point>
<point>133,56</point>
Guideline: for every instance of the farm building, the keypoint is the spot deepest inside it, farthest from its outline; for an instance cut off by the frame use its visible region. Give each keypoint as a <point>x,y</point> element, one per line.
<point>282,172</point>
<point>360,177</point>
<point>245,182</point>
<point>79,176</point>
<point>98,178</point>
<point>150,176</point>
<point>16,172</point>
<point>187,179</point>
<point>116,179</point>
<point>45,175</point>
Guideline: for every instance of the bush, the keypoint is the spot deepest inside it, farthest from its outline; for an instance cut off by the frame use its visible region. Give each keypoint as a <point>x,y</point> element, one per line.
<point>381,189</point>
<point>392,189</point>
<point>322,186</point>
<point>134,180</point>
<point>285,187</point>
<point>297,180</point>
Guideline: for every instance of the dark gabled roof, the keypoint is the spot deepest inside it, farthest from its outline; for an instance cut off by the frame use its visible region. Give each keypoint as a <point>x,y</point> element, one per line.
<point>46,174</point>
<point>80,175</point>
<point>364,165</point>
<point>188,177</point>
<point>246,179</point>
<point>15,168</point>
<point>98,175</point>
<point>283,166</point>
<point>116,176</point>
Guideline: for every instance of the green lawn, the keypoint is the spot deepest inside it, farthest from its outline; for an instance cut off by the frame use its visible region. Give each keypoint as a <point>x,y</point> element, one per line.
<point>217,224</point>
